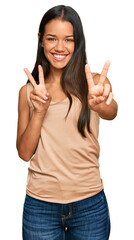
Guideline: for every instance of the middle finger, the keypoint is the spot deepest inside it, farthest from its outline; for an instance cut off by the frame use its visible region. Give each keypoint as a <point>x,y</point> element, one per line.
<point>104,73</point>
<point>106,90</point>
<point>41,75</point>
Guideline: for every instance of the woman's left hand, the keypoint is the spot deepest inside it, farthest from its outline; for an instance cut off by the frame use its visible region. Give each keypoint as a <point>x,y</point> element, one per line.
<point>100,93</point>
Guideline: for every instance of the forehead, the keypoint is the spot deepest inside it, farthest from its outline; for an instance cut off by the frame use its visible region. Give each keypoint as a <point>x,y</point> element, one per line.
<point>57,26</point>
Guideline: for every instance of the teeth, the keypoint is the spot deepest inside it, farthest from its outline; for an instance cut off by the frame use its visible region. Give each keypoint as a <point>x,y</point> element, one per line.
<point>59,56</point>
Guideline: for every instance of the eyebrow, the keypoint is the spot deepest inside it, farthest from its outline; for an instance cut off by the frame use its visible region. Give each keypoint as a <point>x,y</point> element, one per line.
<point>55,35</point>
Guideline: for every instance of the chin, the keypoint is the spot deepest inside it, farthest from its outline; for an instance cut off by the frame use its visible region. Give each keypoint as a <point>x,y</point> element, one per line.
<point>59,66</point>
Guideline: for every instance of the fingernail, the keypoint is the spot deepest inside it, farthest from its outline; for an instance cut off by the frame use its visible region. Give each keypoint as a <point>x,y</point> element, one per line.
<point>45,97</point>
<point>108,62</point>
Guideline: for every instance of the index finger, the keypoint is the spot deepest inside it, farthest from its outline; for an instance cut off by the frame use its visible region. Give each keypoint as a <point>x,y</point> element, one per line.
<point>104,73</point>
<point>89,77</point>
<point>30,77</point>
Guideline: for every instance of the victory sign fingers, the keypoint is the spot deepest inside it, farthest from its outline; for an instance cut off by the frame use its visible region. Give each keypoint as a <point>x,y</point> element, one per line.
<point>41,75</point>
<point>89,77</point>
<point>99,88</point>
<point>104,73</point>
<point>30,77</point>
<point>39,93</point>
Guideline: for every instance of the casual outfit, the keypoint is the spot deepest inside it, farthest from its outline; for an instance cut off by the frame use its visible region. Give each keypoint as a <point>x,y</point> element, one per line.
<point>64,187</point>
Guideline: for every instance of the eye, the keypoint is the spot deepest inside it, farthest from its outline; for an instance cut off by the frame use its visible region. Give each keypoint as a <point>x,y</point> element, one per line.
<point>51,39</point>
<point>69,40</point>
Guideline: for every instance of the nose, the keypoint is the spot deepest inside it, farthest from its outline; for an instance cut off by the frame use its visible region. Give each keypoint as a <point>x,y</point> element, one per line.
<point>59,47</point>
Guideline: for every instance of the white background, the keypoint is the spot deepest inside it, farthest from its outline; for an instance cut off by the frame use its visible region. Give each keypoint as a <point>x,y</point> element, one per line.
<point>108,27</point>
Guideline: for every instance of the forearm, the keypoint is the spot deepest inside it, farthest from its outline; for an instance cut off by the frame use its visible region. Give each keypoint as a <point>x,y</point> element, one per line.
<point>29,139</point>
<point>108,112</point>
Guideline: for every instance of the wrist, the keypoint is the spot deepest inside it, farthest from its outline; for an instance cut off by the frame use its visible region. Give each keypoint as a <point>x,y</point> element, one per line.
<point>108,111</point>
<point>38,114</point>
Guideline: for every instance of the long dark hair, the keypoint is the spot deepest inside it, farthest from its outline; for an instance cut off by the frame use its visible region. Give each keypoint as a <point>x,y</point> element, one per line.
<point>73,76</point>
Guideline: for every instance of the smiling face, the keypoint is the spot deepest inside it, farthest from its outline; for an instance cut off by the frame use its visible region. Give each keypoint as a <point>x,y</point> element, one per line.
<point>58,43</point>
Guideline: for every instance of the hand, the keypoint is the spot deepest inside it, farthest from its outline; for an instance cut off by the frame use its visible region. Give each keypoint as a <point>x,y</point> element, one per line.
<point>100,93</point>
<point>39,96</point>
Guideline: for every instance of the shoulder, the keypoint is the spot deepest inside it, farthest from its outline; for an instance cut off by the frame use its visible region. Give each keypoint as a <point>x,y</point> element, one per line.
<point>25,88</point>
<point>94,74</point>
<point>23,96</point>
<point>96,77</point>
<point>23,92</point>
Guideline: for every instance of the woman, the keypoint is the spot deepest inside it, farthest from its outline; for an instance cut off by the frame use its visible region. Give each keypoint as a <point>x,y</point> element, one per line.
<point>59,110</point>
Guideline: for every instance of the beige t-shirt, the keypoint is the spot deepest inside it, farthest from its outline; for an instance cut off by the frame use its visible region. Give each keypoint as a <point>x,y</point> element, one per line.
<point>65,166</point>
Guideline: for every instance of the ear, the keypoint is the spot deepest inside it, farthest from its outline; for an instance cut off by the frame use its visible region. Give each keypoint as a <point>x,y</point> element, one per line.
<point>39,35</point>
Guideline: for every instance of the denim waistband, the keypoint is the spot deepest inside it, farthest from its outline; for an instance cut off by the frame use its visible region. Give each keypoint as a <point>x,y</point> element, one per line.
<point>74,206</point>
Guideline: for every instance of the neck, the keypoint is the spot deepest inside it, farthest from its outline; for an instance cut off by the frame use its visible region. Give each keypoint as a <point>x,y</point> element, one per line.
<point>55,76</point>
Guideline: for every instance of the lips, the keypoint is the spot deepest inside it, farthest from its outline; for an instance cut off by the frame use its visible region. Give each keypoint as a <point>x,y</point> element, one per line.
<point>59,57</point>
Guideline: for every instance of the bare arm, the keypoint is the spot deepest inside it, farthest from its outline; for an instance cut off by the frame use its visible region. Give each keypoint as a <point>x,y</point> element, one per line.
<point>28,133</point>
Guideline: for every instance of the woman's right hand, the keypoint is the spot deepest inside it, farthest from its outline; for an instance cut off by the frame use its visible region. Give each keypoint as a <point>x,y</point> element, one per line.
<point>40,98</point>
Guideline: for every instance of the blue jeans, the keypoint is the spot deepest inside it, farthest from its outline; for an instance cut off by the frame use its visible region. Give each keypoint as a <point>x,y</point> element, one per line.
<point>86,219</point>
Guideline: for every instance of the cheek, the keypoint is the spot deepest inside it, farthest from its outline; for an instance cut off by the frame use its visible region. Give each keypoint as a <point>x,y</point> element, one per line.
<point>72,48</point>
<point>72,51</point>
<point>46,50</point>
<point>47,46</point>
